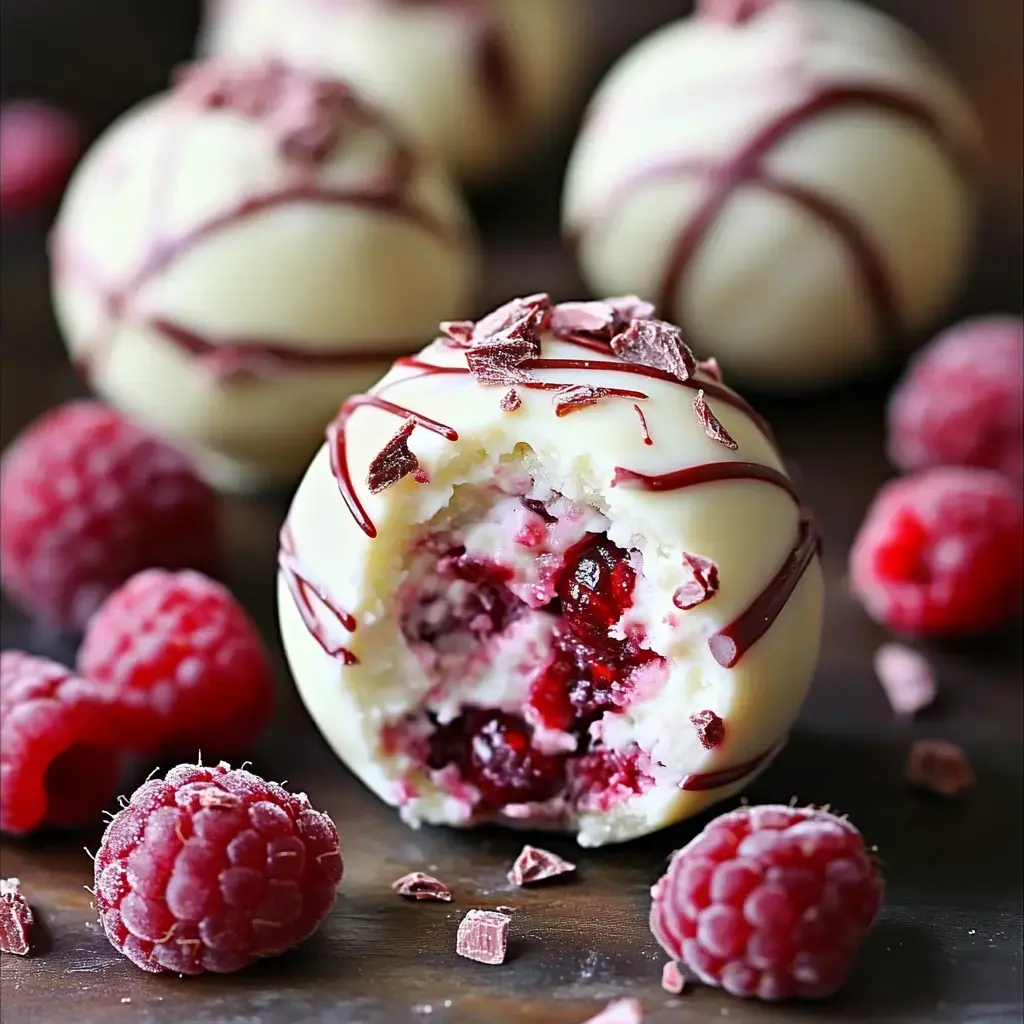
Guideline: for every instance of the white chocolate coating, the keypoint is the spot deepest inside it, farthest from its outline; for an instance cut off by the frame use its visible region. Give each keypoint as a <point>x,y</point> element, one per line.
<point>748,527</point>
<point>155,230</point>
<point>476,80</point>
<point>841,228</point>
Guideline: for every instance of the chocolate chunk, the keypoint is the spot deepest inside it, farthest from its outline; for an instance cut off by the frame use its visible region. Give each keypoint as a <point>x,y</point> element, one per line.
<point>534,310</point>
<point>710,728</point>
<point>500,364</point>
<point>710,423</point>
<point>619,1011</point>
<point>939,767</point>
<point>701,582</point>
<point>906,678</point>
<point>457,333</point>
<point>672,979</point>
<point>483,936</point>
<point>578,396</point>
<point>631,307</point>
<point>656,344</point>
<point>394,460</point>
<point>511,401</point>
<point>15,918</point>
<point>597,319</point>
<point>537,865</point>
<point>418,886</point>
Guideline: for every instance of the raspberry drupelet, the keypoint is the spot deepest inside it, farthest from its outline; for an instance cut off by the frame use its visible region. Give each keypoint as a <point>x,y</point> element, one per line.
<point>769,902</point>
<point>211,869</point>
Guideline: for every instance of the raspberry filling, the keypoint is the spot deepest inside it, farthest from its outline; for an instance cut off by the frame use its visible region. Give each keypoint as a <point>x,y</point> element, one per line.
<point>526,651</point>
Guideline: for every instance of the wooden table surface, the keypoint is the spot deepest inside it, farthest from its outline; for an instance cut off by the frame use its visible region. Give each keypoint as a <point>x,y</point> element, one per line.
<point>948,945</point>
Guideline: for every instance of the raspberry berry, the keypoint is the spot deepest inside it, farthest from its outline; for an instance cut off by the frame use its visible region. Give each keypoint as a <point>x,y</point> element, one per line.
<point>210,869</point>
<point>87,499</point>
<point>962,401</point>
<point>57,762</point>
<point>184,662</point>
<point>941,552</point>
<point>38,148</point>
<point>769,902</point>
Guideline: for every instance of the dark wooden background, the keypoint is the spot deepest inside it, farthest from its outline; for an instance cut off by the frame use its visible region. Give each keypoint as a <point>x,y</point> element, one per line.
<point>948,947</point>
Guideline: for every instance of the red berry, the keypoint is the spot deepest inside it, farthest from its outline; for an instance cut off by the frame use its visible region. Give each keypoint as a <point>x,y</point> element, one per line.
<point>962,401</point>
<point>213,868</point>
<point>184,662</point>
<point>87,499</point>
<point>941,552</point>
<point>57,732</point>
<point>38,148</point>
<point>769,902</point>
<point>595,588</point>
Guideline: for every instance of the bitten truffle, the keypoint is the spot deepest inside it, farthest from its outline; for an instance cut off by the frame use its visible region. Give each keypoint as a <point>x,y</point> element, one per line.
<point>790,180</point>
<point>234,257</point>
<point>479,606</point>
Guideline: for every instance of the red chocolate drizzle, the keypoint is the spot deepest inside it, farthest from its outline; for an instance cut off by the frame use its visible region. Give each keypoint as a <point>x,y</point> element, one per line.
<point>389,195</point>
<point>643,425</point>
<point>704,781</point>
<point>707,473</point>
<point>300,588</point>
<point>747,169</point>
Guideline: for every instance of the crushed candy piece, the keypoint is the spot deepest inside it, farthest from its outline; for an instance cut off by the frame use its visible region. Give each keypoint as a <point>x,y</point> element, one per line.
<point>939,767</point>
<point>710,728</point>
<point>578,396</point>
<point>672,979</point>
<point>710,369</point>
<point>710,422</point>
<point>657,344</point>
<point>594,318</point>
<point>483,936</point>
<point>631,307</point>
<point>393,461</point>
<point>619,1011</point>
<point>418,886</point>
<point>531,312</point>
<point>701,585</point>
<point>15,918</point>
<point>511,401</point>
<point>536,865</point>
<point>906,678</point>
<point>457,333</point>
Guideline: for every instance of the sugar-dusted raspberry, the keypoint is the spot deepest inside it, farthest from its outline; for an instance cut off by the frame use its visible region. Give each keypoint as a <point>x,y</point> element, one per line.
<point>210,869</point>
<point>941,552</point>
<point>38,148</point>
<point>769,902</point>
<point>58,765</point>
<point>88,498</point>
<point>184,661</point>
<point>961,403</point>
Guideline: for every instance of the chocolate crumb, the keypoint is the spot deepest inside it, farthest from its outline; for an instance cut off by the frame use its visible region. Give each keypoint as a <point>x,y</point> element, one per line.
<point>906,678</point>
<point>939,767</point>
<point>578,396</point>
<point>672,979</point>
<point>483,936</point>
<point>536,865</point>
<point>619,1011</point>
<point>511,401</point>
<point>15,918</point>
<point>657,344</point>
<point>710,423</point>
<point>418,886</point>
<point>393,461</point>
<point>710,728</point>
<point>701,582</point>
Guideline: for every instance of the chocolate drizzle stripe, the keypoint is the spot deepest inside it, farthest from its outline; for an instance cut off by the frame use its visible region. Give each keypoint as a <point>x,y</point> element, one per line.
<point>300,588</point>
<point>728,645</point>
<point>706,473</point>
<point>704,781</point>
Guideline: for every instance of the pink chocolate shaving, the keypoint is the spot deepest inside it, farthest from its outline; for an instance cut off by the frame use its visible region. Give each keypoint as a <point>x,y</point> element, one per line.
<point>656,344</point>
<point>418,886</point>
<point>710,728</point>
<point>595,318</point>
<point>701,583</point>
<point>511,401</point>
<point>732,12</point>
<point>15,918</point>
<point>710,369</point>
<point>672,979</point>
<point>535,309</point>
<point>939,767</point>
<point>537,865</point>
<point>906,678</point>
<point>710,423</point>
<point>394,460</point>
<point>578,396</point>
<point>631,307</point>
<point>458,333</point>
<point>619,1011</point>
<point>483,936</point>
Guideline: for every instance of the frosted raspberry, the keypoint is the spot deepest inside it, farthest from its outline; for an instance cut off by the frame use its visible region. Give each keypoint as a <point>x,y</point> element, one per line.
<point>57,732</point>
<point>961,403</point>
<point>87,499</point>
<point>769,902</point>
<point>38,148</point>
<point>183,660</point>
<point>213,868</point>
<point>941,552</point>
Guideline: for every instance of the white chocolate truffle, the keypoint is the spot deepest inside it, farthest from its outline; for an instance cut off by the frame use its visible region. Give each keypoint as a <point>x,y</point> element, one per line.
<point>551,573</point>
<point>477,80</point>
<point>235,257</point>
<point>786,179</point>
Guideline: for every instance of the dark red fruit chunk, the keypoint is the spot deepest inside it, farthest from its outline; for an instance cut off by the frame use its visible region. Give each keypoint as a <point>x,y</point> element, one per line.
<point>493,752</point>
<point>769,902</point>
<point>595,588</point>
<point>38,148</point>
